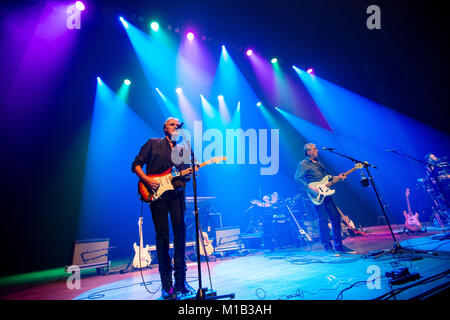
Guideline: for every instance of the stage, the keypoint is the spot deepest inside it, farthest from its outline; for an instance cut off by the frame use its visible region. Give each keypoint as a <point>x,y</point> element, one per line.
<point>295,273</point>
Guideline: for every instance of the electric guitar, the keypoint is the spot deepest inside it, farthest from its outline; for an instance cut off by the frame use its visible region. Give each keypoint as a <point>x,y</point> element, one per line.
<point>142,256</point>
<point>348,225</point>
<point>323,186</point>
<point>208,245</point>
<point>346,221</point>
<point>149,194</point>
<point>411,220</point>
<point>305,236</point>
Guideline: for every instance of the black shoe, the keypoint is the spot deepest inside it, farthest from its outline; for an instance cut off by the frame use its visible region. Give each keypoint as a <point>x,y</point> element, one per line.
<point>184,289</point>
<point>168,294</point>
<point>345,250</point>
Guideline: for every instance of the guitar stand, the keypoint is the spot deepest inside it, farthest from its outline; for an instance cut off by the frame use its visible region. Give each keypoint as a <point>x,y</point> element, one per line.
<point>202,293</point>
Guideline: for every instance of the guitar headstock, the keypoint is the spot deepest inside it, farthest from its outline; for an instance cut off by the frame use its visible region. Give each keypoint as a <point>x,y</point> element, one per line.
<point>407,192</point>
<point>359,165</point>
<point>217,159</point>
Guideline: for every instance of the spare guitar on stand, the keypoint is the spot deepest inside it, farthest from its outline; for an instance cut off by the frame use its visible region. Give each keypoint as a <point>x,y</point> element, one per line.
<point>411,219</point>
<point>142,258</point>
<point>349,225</point>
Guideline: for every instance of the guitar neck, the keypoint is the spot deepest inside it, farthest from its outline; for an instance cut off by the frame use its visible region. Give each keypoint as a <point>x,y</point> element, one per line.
<point>141,240</point>
<point>337,179</point>
<point>409,206</point>
<point>186,171</point>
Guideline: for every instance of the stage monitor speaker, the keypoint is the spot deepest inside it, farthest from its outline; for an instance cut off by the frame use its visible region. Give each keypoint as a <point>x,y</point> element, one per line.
<point>283,233</point>
<point>92,253</point>
<point>228,239</point>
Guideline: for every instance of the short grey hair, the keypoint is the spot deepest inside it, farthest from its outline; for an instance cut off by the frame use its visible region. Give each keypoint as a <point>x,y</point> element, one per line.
<point>167,120</point>
<point>307,146</point>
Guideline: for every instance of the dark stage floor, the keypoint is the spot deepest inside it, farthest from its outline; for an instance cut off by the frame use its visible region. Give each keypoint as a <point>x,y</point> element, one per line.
<point>297,273</point>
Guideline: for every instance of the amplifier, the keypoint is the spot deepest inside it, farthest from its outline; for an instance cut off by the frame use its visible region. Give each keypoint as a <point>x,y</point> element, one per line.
<point>228,239</point>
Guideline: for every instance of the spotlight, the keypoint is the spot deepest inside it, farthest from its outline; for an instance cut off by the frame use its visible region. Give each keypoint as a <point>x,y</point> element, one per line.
<point>179,90</point>
<point>127,82</point>
<point>249,52</point>
<point>258,104</point>
<point>310,71</point>
<point>155,26</point>
<point>274,60</point>
<point>99,81</point>
<point>190,36</point>
<point>220,97</point>
<point>80,5</point>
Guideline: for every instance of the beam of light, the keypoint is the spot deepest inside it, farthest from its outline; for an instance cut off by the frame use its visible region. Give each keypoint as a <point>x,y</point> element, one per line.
<point>231,83</point>
<point>207,107</point>
<point>274,60</point>
<point>42,62</point>
<point>236,120</point>
<point>268,116</point>
<point>265,77</point>
<point>157,61</point>
<point>223,110</point>
<point>310,71</point>
<point>169,107</point>
<point>117,133</point>
<point>249,52</point>
<point>195,68</point>
<point>179,90</point>
<point>124,90</point>
<point>187,109</point>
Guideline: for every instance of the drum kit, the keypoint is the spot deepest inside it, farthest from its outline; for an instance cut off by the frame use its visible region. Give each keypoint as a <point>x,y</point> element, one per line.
<point>283,222</point>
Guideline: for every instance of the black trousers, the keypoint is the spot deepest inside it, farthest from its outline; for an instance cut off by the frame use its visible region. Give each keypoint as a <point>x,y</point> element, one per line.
<point>173,203</point>
<point>328,210</point>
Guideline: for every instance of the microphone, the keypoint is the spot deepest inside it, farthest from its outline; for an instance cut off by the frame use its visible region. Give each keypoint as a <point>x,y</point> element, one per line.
<point>392,150</point>
<point>325,148</point>
<point>180,125</point>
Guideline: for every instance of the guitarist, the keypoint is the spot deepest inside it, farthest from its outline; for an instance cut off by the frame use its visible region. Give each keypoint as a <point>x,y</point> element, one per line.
<point>156,155</point>
<point>311,170</point>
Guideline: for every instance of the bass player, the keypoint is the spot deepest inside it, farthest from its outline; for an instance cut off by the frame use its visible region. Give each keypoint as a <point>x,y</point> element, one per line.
<point>311,170</point>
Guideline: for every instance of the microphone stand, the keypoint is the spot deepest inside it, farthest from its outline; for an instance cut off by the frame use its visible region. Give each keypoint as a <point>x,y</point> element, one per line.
<point>202,293</point>
<point>397,248</point>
